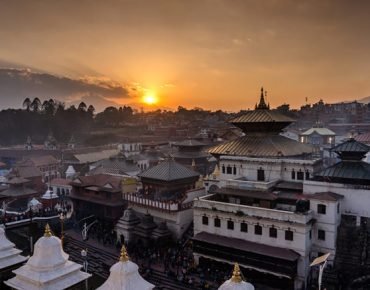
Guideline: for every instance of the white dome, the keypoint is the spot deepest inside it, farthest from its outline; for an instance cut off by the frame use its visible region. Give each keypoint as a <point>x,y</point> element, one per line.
<point>4,242</point>
<point>48,252</point>
<point>49,194</point>
<point>124,275</point>
<point>236,282</point>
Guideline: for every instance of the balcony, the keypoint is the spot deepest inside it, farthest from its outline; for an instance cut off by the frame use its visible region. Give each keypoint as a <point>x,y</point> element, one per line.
<point>208,203</point>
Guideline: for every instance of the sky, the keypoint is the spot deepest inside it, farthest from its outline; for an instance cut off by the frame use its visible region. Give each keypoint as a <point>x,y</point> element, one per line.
<point>214,54</point>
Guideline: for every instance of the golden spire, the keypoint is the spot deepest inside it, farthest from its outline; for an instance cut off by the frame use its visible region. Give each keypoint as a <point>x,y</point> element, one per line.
<point>236,278</point>
<point>123,257</point>
<point>47,232</point>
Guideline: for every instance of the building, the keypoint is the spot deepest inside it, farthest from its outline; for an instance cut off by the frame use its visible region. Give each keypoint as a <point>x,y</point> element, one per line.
<point>322,139</point>
<point>124,275</point>
<point>48,165</point>
<point>118,165</point>
<point>167,194</point>
<point>48,268</point>
<point>255,212</point>
<point>190,153</point>
<point>98,195</point>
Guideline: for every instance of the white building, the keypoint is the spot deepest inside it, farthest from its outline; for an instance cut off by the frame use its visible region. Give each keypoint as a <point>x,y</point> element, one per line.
<point>256,213</point>
<point>48,268</point>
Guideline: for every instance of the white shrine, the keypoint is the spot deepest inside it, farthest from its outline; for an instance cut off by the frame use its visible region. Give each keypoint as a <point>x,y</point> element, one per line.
<point>236,282</point>
<point>48,268</point>
<point>124,275</point>
<point>9,255</point>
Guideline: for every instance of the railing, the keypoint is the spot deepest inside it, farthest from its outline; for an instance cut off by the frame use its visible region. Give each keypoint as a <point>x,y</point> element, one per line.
<point>27,220</point>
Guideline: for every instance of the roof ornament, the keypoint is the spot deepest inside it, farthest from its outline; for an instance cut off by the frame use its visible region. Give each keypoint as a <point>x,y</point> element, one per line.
<point>47,232</point>
<point>236,278</point>
<point>262,104</point>
<point>124,256</point>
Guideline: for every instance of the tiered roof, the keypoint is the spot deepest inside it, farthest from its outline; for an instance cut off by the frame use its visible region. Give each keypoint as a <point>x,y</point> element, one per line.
<point>169,170</point>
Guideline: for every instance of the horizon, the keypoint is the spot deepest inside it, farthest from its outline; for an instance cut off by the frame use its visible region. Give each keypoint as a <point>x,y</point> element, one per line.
<point>162,54</point>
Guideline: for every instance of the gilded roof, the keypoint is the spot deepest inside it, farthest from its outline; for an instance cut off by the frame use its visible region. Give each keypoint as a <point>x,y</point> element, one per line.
<point>169,170</point>
<point>262,146</point>
<point>261,116</point>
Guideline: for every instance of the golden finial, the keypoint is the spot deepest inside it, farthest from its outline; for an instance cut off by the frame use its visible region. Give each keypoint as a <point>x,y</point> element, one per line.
<point>123,257</point>
<point>47,232</point>
<point>236,278</point>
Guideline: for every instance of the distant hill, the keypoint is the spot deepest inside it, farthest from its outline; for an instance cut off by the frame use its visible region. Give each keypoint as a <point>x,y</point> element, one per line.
<point>365,100</point>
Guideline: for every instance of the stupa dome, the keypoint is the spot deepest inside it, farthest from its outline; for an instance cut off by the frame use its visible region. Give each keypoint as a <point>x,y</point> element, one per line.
<point>236,282</point>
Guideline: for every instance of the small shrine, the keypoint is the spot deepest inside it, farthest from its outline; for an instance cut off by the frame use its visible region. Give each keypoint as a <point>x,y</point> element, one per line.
<point>48,268</point>
<point>9,255</point>
<point>124,275</point>
<point>236,282</point>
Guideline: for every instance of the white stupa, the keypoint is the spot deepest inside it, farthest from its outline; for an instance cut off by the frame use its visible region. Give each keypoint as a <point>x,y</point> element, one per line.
<point>49,194</point>
<point>124,275</point>
<point>9,255</point>
<point>70,172</point>
<point>236,282</point>
<point>48,268</point>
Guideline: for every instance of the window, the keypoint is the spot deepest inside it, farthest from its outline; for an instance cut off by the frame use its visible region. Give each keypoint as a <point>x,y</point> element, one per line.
<point>300,175</point>
<point>205,220</point>
<point>293,174</point>
<point>244,227</point>
<point>289,235</point>
<point>217,223</point>
<point>258,230</point>
<point>261,174</point>
<point>321,208</point>
<point>273,233</point>
<point>223,169</point>
<point>230,225</point>
<point>310,234</point>
<point>228,169</point>
<point>234,170</point>
<point>338,208</point>
<point>321,235</point>
<point>307,174</point>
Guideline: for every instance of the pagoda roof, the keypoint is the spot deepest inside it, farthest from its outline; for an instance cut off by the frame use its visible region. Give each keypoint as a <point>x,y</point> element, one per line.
<point>261,116</point>
<point>351,145</point>
<point>269,145</point>
<point>169,170</point>
<point>320,131</point>
<point>352,171</point>
<point>189,143</point>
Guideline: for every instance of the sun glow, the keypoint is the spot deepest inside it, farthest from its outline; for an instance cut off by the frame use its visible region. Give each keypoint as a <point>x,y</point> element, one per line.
<point>150,99</point>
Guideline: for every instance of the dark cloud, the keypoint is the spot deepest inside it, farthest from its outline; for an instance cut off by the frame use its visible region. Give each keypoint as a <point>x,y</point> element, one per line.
<point>17,84</point>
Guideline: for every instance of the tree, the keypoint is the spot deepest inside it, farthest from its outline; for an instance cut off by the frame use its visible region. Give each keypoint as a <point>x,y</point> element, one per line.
<point>91,110</point>
<point>35,105</point>
<point>27,104</point>
<point>82,107</point>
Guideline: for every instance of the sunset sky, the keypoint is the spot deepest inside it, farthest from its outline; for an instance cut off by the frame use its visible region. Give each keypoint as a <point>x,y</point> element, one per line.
<point>214,54</point>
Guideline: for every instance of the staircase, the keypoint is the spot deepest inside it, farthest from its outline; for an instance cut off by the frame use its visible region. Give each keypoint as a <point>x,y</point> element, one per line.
<point>100,262</point>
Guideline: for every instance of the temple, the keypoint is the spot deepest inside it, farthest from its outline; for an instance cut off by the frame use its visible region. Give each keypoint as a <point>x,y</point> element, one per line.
<point>48,268</point>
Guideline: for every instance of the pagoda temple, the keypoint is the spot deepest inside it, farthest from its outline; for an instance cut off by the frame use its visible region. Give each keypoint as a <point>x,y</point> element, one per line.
<point>236,282</point>
<point>124,275</point>
<point>48,268</point>
<point>262,128</point>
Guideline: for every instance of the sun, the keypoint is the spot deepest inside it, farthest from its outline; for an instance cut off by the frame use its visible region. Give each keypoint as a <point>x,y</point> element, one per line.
<point>150,99</point>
